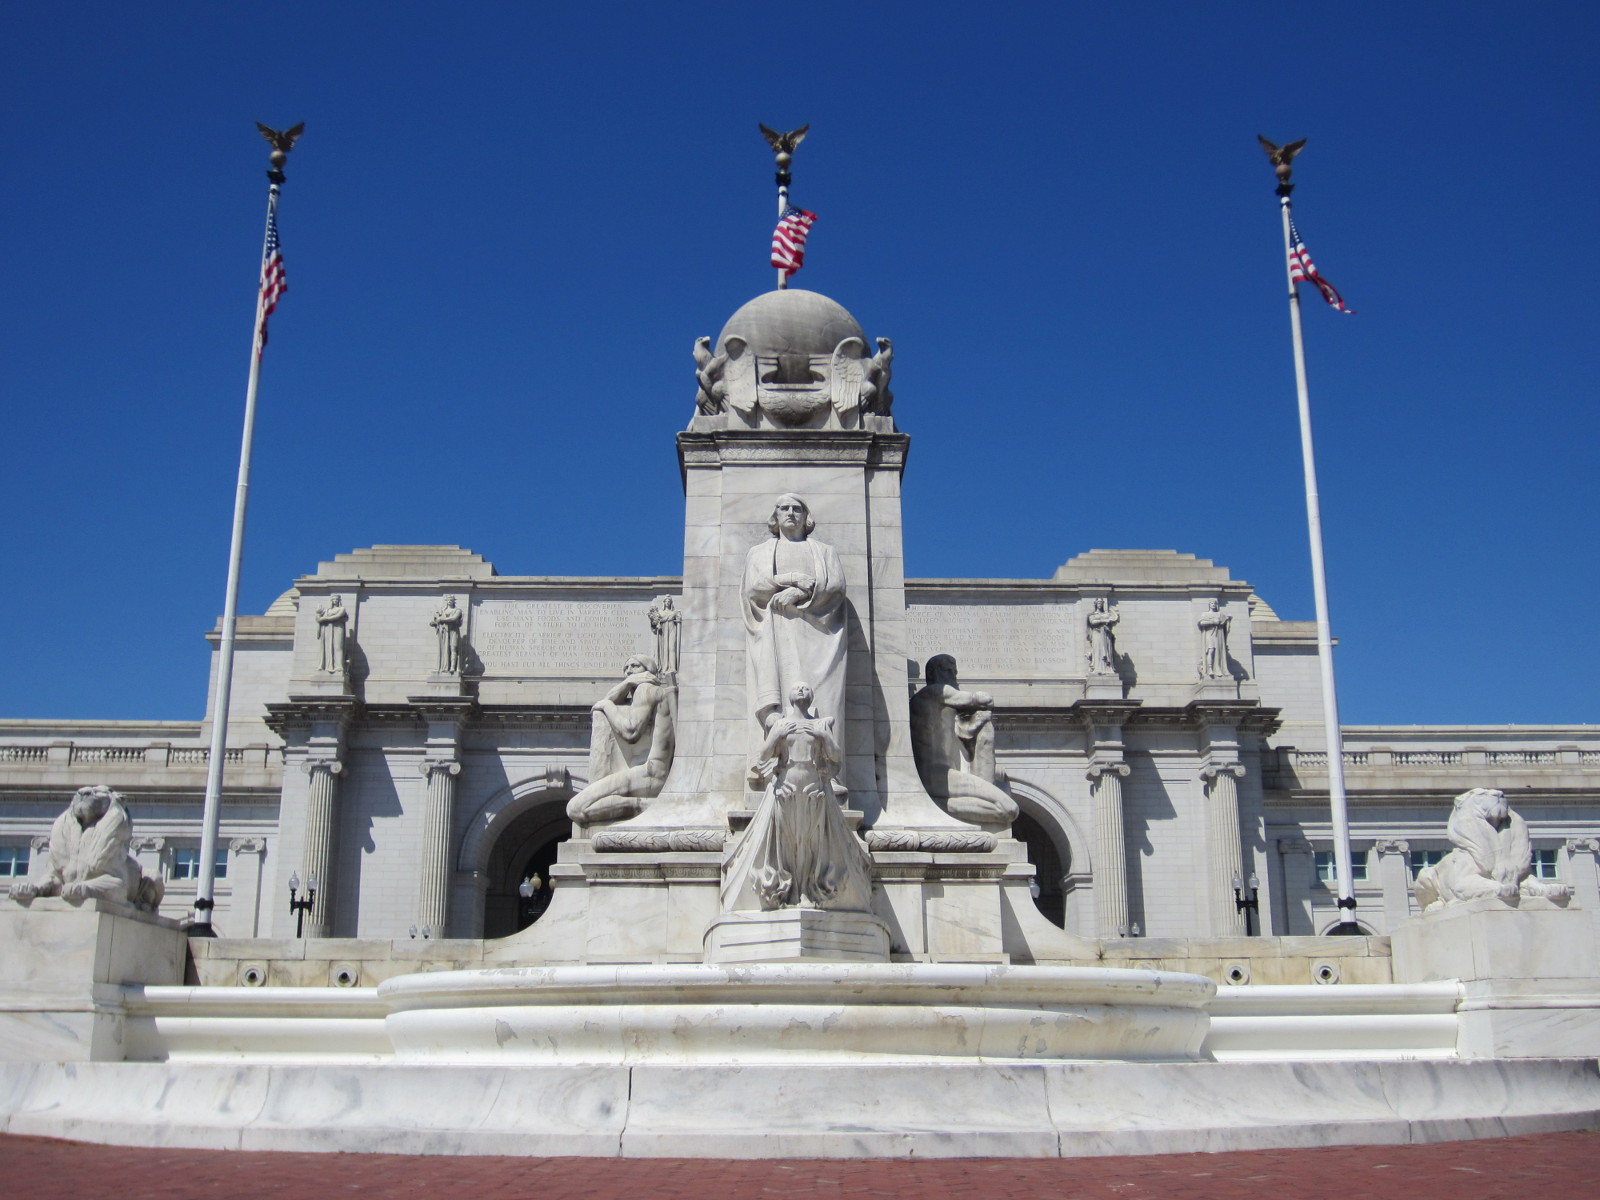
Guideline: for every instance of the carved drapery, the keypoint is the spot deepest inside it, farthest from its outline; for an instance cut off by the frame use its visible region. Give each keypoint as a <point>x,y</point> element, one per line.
<point>434,885</point>
<point>1110,848</point>
<point>1226,855</point>
<point>317,857</point>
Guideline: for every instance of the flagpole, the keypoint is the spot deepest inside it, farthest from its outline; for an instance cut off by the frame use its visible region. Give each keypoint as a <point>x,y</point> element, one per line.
<point>783,145</point>
<point>1319,583</point>
<point>784,179</point>
<point>205,888</point>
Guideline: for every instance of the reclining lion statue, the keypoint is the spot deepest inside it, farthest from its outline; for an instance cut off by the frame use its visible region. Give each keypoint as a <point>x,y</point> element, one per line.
<point>1492,856</point>
<point>88,856</point>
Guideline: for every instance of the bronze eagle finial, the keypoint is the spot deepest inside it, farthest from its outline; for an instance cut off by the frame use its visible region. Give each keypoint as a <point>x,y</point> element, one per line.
<point>1281,157</point>
<point>784,143</point>
<point>282,142</point>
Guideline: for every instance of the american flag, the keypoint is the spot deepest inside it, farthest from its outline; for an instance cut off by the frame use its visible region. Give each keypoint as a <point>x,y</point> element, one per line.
<point>789,239</point>
<point>1301,267</point>
<point>274,282</point>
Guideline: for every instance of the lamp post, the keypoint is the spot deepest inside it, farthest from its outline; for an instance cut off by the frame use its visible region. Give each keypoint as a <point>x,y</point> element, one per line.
<point>529,906</point>
<point>298,906</point>
<point>1249,905</point>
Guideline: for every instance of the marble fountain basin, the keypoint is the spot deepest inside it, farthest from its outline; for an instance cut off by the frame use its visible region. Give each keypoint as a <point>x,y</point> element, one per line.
<point>796,1012</point>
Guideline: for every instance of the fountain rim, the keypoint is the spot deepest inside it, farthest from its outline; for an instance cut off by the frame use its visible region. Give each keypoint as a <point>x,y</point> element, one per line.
<point>975,984</point>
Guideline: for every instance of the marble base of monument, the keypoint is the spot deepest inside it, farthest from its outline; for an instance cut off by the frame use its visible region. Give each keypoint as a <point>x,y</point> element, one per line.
<point>797,935</point>
<point>793,1110</point>
<point>62,965</point>
<point>1531,989</point>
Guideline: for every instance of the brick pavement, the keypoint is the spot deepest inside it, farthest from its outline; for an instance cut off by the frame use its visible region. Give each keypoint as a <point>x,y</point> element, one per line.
<point>1556,1166</point>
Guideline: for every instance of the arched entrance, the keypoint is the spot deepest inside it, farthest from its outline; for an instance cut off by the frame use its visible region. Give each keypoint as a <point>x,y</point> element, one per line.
<point>512,836</point>
<point>1056,850</point>
<point>1051,876</point>
<point>526,850</point>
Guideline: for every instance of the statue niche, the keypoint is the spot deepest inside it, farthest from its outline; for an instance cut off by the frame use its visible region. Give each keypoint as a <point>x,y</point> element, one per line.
<point>630,747</point>
<point>1492,857</point>
<point>952,739</point>
<point>88,857</point>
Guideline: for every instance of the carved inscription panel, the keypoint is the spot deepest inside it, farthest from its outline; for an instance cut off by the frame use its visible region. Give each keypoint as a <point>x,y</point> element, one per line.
<point>539,639</point>
<point>997,641</point>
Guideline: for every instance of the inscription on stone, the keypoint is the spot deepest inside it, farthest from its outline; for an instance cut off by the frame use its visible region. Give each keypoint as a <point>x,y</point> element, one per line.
<point>995,641</point>
<point>543,638</point>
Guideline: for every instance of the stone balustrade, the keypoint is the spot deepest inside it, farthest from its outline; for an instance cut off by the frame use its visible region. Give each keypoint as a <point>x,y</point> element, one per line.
<point>1289,767</point>
<point>70,760</point>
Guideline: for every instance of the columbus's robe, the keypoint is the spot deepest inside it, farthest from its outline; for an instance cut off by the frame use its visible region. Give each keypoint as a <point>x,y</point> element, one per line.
<point>804,645</point>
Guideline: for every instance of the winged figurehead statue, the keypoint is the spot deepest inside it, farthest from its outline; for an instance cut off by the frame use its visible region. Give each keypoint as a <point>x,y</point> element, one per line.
<point>282,143</point>
<point>1281,157</point>
<point>783,144</point>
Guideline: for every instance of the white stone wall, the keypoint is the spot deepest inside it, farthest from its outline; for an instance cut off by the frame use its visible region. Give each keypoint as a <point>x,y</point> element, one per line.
<point>550,647</point>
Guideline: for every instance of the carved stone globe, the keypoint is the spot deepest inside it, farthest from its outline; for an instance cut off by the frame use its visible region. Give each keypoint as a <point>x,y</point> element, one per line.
<point>791,322</point>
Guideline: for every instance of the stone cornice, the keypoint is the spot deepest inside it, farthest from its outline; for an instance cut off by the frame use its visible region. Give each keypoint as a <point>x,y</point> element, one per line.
<point>301,711</point>
<point>780,447</point>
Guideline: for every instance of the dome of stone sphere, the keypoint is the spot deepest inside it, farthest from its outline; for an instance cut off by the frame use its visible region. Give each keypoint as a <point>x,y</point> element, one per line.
<point>791,321</point>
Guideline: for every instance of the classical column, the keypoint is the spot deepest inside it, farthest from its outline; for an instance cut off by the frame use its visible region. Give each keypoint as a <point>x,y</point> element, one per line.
<point>1394,877</point>
<point>316,858</point>
<point>1222,838</point>
<point>1579,868</point>
<point>1110,848</point>
<point>1296,867</point>
<point>434,889</point>
<point>244,877</point>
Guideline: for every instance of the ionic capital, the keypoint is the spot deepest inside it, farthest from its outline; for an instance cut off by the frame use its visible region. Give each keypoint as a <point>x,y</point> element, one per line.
<point>429,766</point>
<point>1106,767</point>
<point>1391,846</point>
<point>323,763</point>
<point>1582,845</point>
<point>1213,771</point>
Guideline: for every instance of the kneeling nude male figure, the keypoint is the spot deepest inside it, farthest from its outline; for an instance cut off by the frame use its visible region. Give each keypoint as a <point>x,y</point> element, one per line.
<point>632,746</point>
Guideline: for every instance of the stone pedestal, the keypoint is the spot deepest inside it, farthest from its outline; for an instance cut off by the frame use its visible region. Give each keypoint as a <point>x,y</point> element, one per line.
<point>61,967</point>
<point>1531,989</point>
<point>1102,687</point>
<point>797,935</point>
<point>443,684</point>
<point>1216,688</point>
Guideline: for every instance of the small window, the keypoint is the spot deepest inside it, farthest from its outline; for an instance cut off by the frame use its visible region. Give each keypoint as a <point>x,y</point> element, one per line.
<point>186,863</point>
<point>13,862</point>
<point>1325,868</point>
<point>1425,858</point>
<point>1544,864</point>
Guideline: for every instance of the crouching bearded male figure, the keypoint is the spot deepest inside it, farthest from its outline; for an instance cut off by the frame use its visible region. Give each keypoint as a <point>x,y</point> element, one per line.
<point>88,857</point>
<point>631,746</point>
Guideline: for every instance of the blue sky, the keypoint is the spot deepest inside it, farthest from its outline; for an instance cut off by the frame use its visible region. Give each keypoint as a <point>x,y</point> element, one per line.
<point>507,224</point>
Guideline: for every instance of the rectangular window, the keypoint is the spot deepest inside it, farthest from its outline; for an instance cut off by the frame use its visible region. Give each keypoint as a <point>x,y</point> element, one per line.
<point>1544,864</point>
<point>13,862</point>
<point>1325,871</point>
<point>186,862</point>
<point>1425,858</point>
